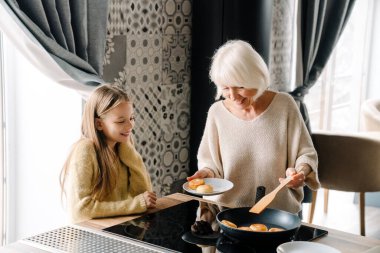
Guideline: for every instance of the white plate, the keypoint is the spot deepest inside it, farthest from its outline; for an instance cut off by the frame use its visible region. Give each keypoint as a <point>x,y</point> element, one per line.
<point>302,247</point>
<point>219,186</point>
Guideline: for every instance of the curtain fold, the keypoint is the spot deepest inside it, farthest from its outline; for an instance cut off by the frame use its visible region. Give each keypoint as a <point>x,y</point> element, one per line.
<point>320,24</point>
<point>72,32</point>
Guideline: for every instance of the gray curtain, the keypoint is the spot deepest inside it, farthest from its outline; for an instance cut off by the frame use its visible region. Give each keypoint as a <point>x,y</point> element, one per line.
<point>320,24</point>
<point>73,32</point>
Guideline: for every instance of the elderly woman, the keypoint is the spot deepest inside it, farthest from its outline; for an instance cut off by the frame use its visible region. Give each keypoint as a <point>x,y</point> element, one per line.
<point>254,137</point>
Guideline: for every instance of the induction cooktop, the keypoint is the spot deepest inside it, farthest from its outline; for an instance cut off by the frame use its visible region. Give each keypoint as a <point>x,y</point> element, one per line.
<point>171,228</point>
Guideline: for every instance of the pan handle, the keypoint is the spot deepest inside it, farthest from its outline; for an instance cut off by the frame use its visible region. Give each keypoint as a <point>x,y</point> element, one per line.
<point>260,192</point>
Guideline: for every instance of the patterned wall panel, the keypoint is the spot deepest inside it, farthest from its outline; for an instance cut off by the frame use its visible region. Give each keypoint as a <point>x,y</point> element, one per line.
<point>176,93</point>
<point>281,49</point>
<point>148,128</point>
<point>117,17</point>
<point>144,54</point>
<point>115,56</point>
<point>144,16</point>
<point>176,16</point>
<point>148,52</point>
<point>176,58</point>
<point>175,119</point>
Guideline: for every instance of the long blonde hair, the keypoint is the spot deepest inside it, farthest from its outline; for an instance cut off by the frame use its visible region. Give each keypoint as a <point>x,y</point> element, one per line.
<point>103,99</point>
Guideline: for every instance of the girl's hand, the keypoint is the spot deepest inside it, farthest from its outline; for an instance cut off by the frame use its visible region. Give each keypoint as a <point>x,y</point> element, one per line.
<point>203,173</point>
<point>298,178</point>
<point>150,199</point>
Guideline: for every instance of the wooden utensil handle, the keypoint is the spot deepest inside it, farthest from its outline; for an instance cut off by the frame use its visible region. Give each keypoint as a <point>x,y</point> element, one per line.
<point>283,183</point>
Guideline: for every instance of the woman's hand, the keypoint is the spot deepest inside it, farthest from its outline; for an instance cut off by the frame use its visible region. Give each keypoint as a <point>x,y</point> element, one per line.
<point>203,173</point>
<point>298,179</point>
<point>150,199</point>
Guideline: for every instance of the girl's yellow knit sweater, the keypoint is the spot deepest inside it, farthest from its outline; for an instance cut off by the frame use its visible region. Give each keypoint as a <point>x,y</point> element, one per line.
<point>127,196</point>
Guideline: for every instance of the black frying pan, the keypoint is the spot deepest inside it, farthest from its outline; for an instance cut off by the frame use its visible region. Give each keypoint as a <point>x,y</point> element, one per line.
<point>270,217</point>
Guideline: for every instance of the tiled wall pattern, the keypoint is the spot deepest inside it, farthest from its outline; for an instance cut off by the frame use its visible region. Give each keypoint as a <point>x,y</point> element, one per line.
<point>281,48</point>
<point>148,51</point>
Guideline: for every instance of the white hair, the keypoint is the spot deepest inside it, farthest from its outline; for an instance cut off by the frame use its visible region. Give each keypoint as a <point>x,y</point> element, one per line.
<point>237,64</point>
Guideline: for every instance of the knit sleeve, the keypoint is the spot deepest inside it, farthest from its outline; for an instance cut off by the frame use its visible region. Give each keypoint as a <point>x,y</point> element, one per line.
<point>209,150</point>
<point>300,146</point>
<point>81,178</point>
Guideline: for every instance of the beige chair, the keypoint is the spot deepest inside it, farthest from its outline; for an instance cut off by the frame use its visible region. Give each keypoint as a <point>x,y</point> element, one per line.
<point>370,115</point>
<point>348,162</point>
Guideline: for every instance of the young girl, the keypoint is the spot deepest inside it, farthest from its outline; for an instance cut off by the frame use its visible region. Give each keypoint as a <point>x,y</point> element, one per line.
<point>104,175</point>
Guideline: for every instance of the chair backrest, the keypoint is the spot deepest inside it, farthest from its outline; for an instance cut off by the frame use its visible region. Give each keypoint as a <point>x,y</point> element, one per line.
<point>348,162</point>
<point>370,115</point>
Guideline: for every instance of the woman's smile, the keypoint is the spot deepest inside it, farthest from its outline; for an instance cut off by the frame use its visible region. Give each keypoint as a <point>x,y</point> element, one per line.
<point>241,103</point>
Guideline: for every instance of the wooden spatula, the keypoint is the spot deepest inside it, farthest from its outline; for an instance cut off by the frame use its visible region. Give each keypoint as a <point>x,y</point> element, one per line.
<point>267,199</point>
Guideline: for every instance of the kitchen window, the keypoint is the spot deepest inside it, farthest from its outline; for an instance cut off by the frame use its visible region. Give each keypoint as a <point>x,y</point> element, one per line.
<point>334,101</point>
<point>41,122</point>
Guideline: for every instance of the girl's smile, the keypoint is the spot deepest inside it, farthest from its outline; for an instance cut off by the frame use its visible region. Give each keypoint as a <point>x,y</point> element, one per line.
<point>117,123</point>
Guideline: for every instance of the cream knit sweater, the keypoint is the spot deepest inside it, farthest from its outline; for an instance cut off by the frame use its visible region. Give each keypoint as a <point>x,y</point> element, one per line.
<point>127,196</point>
<point>257,152</point>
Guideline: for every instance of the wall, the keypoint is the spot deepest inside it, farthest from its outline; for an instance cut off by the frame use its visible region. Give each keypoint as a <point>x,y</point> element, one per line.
<point>148,52</point>
<point>281,57</point>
